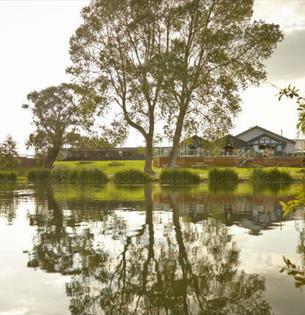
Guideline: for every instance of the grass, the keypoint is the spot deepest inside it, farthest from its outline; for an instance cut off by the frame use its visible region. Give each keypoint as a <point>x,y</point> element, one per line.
<point>66,175</point>
<point>112,167</point>
<point>178,177</point>
<point>39,176</point>
<point>272,179</point>
<point>261,176</point>
<point>8,177</point>
<point>223,176</point>
<point>131,176</point>
<point>108,167</point>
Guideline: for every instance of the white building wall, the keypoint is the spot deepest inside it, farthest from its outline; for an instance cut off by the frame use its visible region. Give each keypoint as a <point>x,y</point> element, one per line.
<point>290,148</point>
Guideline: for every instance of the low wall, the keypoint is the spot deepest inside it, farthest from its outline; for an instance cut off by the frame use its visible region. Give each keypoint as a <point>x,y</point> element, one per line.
<point>198,161</point>
<point>293,161</point>
<point>29,162</point>
<point>231,161</point>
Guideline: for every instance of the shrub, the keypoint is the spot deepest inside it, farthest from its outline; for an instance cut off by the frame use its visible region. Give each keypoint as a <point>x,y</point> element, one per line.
<point>8,176</point>
<point>131,177</point>
<point>223,177</point>
<point>38,176</point>
<point>260,176</point>
<point>92,176</point>
<point>178,177</point>
<point>61,175</point>
<point>79,176</point>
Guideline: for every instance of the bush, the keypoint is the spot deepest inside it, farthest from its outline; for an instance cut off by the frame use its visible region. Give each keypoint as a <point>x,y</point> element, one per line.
<point>131,177</point>
<point>8,176</point>
<point>260,176</point>
<point>179,177</point>
<point>39,176</point>
<point>79,176</point>
<point>223,177</point>
<point>91,176</point>
<point>68,176</point>
<point>61,175</point>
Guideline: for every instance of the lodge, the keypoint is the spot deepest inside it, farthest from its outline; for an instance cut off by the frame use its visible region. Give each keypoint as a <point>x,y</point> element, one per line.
<point>252,144</point>
<point>254,141</point>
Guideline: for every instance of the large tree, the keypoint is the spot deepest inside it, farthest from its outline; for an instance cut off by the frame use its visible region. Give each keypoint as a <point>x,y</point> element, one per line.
<point>118,47</point>
<point>59,113</point>
<point>181,61</point>
<point>216,51</point>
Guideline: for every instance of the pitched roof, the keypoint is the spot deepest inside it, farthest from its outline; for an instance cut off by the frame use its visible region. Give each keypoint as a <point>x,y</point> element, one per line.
<point>266,131</point>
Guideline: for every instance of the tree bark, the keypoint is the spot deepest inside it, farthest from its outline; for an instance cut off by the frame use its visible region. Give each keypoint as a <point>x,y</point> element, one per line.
<point>149,156</point>
<point>51,156</point>
<point>176,140</point>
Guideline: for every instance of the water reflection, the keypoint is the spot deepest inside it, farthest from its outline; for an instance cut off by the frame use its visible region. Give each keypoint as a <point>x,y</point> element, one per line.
<point>148,261</point>
<point>9,200</point>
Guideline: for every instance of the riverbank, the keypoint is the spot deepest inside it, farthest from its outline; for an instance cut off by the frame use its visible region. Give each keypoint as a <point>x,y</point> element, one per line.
<point>112,167</point>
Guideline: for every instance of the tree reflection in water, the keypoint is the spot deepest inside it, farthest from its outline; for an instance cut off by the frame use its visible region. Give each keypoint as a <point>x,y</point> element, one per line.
<point>168,266</point>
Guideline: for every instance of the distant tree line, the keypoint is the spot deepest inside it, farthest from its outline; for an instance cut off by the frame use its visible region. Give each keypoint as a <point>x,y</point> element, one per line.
<point>164,68</point>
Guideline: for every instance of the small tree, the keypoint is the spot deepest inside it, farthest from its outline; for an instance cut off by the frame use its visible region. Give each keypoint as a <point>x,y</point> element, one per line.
<point>8,153</point>
<point>58,117</point>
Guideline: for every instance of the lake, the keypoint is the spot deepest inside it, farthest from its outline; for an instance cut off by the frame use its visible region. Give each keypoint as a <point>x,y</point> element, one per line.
<point>149,250</point>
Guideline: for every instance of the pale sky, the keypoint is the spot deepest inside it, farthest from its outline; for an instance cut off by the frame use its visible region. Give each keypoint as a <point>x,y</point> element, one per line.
<point>34,43</point>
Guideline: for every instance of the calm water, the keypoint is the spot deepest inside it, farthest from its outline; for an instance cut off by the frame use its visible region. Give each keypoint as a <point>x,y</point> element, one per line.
<point>147,250</point>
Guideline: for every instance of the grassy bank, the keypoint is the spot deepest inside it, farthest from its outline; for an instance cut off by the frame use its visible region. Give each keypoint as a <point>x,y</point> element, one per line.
<point>112,167</point>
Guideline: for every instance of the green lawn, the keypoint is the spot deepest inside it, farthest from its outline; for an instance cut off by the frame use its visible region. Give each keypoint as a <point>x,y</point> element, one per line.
<point>111,167</point>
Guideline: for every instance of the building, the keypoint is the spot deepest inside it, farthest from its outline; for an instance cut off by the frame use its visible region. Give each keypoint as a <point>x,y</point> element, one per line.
<point>101,154</point>
<point>299,146</point>
<point>256,141</point>
<point>263,141</point>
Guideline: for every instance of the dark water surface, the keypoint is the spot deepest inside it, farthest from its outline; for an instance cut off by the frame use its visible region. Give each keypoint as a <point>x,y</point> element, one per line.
<point>149,250</point>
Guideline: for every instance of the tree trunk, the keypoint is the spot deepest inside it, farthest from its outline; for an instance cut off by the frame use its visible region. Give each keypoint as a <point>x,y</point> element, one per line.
<point>176,140</point>
<point>149,155</point>
<point>51,157</point>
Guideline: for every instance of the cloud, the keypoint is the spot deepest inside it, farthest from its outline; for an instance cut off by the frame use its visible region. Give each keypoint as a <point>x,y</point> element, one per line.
<point>289,14</point>
<point>287,62</point>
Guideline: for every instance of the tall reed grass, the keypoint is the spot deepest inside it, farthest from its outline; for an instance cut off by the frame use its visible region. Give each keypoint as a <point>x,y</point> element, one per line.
<point>178,177</point>
<point>270,176</point>
<point>223,177</point>
<point>8,177</point>
<point>68,176</point>
<point>131,177</point>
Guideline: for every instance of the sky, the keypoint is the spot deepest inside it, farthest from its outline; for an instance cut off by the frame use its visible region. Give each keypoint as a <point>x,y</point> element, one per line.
<point>34,44</point>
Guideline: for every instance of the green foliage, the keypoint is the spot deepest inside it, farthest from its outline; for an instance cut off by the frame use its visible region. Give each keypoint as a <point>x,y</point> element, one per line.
<point>178,177</point>
<point>58,117</point>
<point>223,177</point>
<point>89,176</point>
<point>297,272</point>
<point>8,177</point>
<point>8,153</point>
<point>172,59</point>
<point>68,176</point>
<point>293,93</point>
<point>270,176</point>
<point>39,176</point>
<point>293,205</point>
<point>131,177</point>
